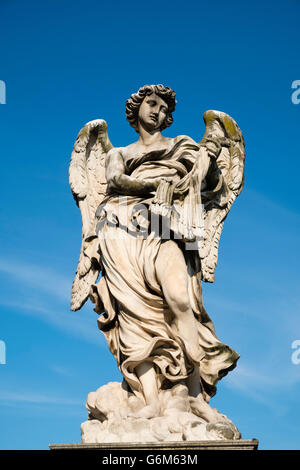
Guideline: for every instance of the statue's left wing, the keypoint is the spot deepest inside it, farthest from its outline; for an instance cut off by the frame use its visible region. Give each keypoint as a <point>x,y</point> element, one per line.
<point>88,185</point>
<point>224,142</point>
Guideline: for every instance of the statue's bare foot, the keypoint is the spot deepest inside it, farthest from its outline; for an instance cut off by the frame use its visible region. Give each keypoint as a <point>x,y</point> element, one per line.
<point>148,412</point>
<point>202,409</point>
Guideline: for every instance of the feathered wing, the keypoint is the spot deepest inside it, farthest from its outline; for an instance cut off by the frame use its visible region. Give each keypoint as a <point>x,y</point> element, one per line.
<point>225,144</point>
<point>88,185</point>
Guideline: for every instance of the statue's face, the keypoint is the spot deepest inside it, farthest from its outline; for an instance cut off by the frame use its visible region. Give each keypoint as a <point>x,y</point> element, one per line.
<point>153,112</point>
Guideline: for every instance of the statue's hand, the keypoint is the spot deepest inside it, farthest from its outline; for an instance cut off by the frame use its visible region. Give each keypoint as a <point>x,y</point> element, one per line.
<point>169,179</point>
<point>157,181</point>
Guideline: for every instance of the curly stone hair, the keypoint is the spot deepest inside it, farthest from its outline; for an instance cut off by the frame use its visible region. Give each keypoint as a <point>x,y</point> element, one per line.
<point>136,99</point>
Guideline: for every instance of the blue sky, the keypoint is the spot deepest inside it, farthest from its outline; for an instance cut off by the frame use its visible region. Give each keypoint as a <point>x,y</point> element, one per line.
<point>67,62</point>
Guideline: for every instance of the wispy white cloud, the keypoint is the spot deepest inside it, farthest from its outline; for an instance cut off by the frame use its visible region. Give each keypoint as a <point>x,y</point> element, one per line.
<point>36,398</point>
<point>280,209</point>
<point>38,277</point>
<point>61,370</point>
<point>80,324</point>
<point>264,385</point>
<point>39,280</point>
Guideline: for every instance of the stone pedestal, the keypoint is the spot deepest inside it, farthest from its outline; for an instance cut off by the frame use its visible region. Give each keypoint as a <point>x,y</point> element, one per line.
<point>241,444</point>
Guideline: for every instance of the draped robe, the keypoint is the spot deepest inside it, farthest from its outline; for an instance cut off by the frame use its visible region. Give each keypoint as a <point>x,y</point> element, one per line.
<point>137,322</point>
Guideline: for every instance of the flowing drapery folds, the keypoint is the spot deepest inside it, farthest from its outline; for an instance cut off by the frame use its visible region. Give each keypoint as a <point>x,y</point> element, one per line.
<point>137,321</point>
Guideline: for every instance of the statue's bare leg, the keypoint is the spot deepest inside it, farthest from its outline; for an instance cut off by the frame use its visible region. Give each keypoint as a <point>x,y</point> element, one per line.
<point>147,377</point>
<point>199,406</point>
<point>172,275</point>
<point>171,272</point>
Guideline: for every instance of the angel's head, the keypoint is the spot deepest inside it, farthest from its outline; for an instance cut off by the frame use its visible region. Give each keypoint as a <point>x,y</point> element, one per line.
<point>153,104</point>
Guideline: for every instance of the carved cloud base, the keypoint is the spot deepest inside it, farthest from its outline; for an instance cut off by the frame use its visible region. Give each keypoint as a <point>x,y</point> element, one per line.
<point>111,419</point>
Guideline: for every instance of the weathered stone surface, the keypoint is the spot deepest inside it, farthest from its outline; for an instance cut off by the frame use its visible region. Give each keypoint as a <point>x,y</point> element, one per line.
<point>112,412</point>
<point>152,216</point>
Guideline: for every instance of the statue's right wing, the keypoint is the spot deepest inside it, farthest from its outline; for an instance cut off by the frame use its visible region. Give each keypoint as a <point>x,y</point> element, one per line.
<point>88,185</point>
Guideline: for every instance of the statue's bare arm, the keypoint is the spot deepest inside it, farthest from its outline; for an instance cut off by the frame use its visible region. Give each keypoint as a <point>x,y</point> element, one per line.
<point>119,182</point>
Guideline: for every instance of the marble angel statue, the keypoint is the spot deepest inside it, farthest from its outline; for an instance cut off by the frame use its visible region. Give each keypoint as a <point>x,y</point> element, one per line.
<point>152,216</point>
